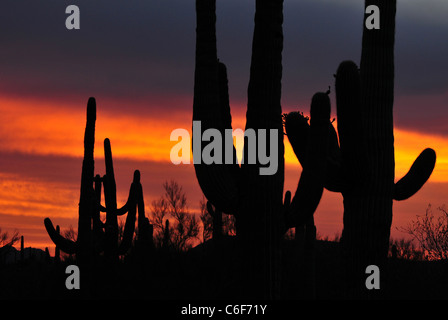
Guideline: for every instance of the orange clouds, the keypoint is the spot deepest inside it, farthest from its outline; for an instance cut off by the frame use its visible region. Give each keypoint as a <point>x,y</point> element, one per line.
<point>42,145</point>
<point>54,129</point>
<point>21,195</point>
<point>33,127</point>
<point>408,146</point>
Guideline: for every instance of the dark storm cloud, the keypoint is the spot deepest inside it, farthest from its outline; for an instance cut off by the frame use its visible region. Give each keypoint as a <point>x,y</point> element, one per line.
<point>144,51</point>
<point>123,49</point>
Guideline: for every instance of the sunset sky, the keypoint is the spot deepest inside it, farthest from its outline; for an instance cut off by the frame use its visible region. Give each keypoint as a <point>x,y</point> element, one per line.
<point>137,59</point>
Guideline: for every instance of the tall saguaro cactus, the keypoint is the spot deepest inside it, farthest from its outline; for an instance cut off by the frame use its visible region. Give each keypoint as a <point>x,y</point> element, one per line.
<point>363,162</point>
<point>83,246</point>
<point>365,99</point>
<point>256,200</point>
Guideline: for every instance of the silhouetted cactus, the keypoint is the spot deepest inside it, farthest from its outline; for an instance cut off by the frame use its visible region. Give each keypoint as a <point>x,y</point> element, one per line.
<point>83,246</point>
<point>363,168</point>
<point>94,236</point>
<point>166,242</point>
<point>217,221</point>
<point>144,241</point>
<point>305,237</point>
<point>57,251</point>
<point>22,249</point>
<point>255,200</point>
<point>365,124</point>
<point>47,255</point>
<point>112,248</point>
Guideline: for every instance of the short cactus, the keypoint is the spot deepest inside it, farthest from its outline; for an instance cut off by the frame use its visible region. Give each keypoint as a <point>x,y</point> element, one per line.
<point>94,236</point>
<point>217,221</point>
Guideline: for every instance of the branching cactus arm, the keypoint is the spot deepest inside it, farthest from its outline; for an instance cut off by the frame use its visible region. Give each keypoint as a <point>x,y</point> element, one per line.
<point>219,182</point>
<point>85,213</point>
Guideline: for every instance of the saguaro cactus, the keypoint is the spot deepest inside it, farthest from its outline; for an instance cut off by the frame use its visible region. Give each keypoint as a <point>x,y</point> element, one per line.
<point>82,247</point>
<point>94,236</point>
<point>365,100</point>
<point>256,200</point>
<point>363,167</point>
<point>217,221</point>
<point>22,249</point>
<point>112,248</point>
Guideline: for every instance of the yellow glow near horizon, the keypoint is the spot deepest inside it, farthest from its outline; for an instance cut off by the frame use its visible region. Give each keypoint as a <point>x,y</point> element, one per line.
<point>35,128</point>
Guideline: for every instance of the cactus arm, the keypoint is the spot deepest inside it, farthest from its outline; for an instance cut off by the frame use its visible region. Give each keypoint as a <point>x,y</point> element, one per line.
<point>333,179</point>
<point>139,198</point>
<point>288,221</point>
<point>417,175</point>
<point>100,207</point>
<point>211,107</point>
<point>350,125</point>
<point>297,131</point>
<point>129,228</point>
<point>110,185</point>
<point>311,184</point>
<point>264,91</point>
<point>86,211</point>
<point>287,200</point>
<point>132,196</point>
<point>66,245</point>
<point>217,220</point>
<point>98,225</point>
<point>110,197</point>
<point>145,229</point>
<point>125,208</point>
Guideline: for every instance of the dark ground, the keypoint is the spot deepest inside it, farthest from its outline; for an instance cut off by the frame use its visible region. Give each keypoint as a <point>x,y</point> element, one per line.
<point>202,275</point>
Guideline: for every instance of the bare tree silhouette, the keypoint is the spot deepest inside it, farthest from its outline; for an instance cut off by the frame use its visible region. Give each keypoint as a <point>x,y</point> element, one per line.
<point>8,240</point>
<point>183,227</point>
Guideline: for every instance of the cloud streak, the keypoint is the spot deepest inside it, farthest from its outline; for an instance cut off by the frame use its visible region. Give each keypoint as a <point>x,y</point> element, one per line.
<point>130,52</point>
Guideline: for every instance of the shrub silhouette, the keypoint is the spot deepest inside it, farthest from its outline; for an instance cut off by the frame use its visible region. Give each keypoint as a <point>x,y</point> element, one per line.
<point>8,240</point>
<point>431,232</point>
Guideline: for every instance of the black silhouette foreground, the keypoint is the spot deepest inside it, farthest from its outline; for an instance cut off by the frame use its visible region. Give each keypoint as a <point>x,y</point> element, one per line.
<point>259,262</point>
<point>361,168</point>
<point>256,201</point>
